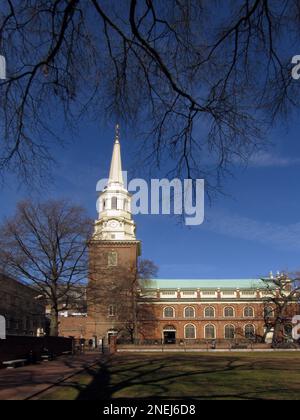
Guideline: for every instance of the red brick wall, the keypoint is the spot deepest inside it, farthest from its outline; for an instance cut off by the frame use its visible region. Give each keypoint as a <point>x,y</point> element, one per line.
<point>73,327</point>
<point>152,321</point>
<point>110,285</point>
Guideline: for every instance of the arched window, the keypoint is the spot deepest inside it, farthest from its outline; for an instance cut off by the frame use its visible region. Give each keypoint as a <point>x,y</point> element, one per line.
<point>190,331</point>
<point>209,312</point>
<point>229,332</point>
<point>249,331</point>
<point>114,203</point>
<point>111,310</point>
<point>189,312</point>
<point>229,312</point>
<point>210,332</point>
<point>169,312</point>
<point>248,312</point>
<point>268,312</point>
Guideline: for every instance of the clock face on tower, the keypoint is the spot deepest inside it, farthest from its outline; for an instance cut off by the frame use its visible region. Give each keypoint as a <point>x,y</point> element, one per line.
<point>113,224</point>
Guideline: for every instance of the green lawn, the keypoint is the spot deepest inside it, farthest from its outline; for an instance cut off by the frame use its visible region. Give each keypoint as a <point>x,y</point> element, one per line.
<point>200,376</point>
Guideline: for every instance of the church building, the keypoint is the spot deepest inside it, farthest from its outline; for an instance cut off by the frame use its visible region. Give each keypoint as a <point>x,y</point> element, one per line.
<point>158,310</point>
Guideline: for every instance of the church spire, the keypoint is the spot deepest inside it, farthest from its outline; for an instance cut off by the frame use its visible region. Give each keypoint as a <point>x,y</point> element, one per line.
<point>115,220</point>
<point>115,174</point>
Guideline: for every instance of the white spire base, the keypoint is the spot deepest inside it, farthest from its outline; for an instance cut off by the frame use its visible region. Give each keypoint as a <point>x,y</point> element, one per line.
<point>115,221</point>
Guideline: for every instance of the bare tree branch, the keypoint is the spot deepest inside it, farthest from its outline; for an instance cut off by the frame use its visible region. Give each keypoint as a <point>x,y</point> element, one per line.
<point>200,81</point>
<point>45,245</point>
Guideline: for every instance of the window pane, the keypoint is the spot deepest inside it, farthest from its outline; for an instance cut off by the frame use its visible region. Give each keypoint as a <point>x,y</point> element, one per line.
<point>248,312</point>
<point>268,312</point>
<point>169,312</point>
<point>210,312</point>
<point>229,312</point>
<point>189,312</point>
<point>229,332</point>
<point>190,331</point>
<point>210,332</point>
<point>249,331</point>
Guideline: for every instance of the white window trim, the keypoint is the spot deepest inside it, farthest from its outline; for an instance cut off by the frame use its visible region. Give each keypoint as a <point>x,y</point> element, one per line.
<point>195,329</point>
<point>189,317</point>
<point>229,307</point>
<point>254,327</point>
<point>229,325</point>
<point>246,307</point>
<point>169,317</point>
<point>215,329</point>
<point>209,317</point>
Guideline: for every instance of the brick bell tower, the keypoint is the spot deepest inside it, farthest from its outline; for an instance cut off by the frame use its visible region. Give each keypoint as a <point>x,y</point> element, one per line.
<point>113,252</point>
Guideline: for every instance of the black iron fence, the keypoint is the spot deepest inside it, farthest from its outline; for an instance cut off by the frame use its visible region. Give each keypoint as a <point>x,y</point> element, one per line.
<point>206,344</point>
<point>183,342</point>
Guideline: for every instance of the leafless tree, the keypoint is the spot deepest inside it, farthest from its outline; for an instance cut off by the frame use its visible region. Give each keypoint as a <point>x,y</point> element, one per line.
<point>147,270</point>
<point>118,293</point>
<point>204,78</point>
<point>281,303</point>
<point>45,245</point>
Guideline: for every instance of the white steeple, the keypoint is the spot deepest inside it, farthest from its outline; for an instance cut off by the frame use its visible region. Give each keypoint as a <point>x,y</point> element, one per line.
<point>114,222</point>
<point>115,173</point>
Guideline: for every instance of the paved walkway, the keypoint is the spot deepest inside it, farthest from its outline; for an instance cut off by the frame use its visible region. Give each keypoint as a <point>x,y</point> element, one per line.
<point>23,383</point>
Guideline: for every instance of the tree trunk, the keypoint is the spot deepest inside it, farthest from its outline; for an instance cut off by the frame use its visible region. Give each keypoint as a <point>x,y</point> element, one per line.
<point>277,330</point>
<point>135,319</point>
<point>54,322</point>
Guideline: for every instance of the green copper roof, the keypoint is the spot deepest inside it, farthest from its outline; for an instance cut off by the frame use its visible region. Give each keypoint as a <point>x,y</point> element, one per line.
<point>202,284</point>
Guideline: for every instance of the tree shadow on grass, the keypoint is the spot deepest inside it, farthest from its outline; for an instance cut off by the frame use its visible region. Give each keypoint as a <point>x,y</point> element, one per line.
<point>174,377</point>
<point>156,375</point>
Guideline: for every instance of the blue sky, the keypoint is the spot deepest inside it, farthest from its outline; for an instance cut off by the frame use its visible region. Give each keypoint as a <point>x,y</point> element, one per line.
<point>251,230</point>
